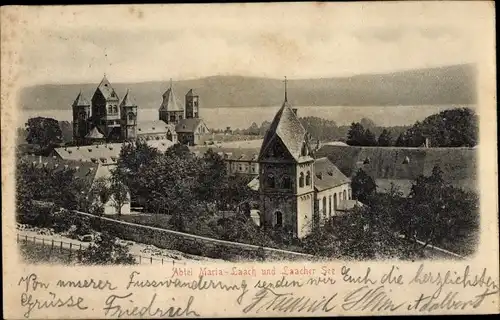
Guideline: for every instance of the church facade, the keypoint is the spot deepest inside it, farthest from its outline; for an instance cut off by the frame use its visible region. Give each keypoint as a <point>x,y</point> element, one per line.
<point>107,119</point>
<point>297,191</point>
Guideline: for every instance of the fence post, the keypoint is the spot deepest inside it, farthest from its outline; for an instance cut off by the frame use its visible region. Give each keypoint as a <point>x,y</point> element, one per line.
<point>151,260</point>
<point>80,247</point>
<point>34,239</point>
<point>17,238</point>
<point>70,245</point>
<point>161,260</point>
<point>61,246</point>
<point>52,246</point>
<point>26,236</point>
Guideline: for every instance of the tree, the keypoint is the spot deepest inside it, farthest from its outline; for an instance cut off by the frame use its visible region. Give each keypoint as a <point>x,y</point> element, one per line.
<point>370,139</point>
<point>438,213</point>
<point>363,186</point>
<point>119,194</point>
<point>44,132</point>
<point>264,127</point>
<point>367,123</point>
<point>135,159</point>
<point>253,129</point>
<point>400,142</point>
<point>356,135</point>
<point>385,139</point>
<point>212,177</point>
<point>105,251</point>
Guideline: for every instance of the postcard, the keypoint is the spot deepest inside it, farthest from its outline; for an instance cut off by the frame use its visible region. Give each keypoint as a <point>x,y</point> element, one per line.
<point>249,160</point>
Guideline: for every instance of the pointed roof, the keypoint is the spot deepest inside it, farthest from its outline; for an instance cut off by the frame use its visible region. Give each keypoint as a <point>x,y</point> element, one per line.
<point>80,101</point>
<point>169,102</point>
<point>94,134</point>
<point>128,100</point>
<point>191,93</point>
<point>106,89</point>
<point>287,127</point>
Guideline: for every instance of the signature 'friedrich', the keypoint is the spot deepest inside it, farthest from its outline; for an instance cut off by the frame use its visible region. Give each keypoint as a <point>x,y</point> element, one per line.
<point>114,308</point>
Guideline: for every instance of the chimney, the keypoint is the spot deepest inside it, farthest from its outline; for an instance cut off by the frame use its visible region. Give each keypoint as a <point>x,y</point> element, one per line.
<point>294,110</point>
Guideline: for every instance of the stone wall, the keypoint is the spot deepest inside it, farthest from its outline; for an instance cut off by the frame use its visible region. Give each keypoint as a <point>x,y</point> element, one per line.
<point>192,244</point>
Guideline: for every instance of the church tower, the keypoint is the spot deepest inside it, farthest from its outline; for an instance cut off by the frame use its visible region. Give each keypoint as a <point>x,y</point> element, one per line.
<point>170,111</point>
<point>192,104</point>
<point>81,117</point>
<point>105,111</point>
<point>286,175</point>
<point>128,109</point>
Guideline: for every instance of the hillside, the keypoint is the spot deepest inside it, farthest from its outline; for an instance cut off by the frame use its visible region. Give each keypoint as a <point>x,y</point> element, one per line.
<point>386,164</point>
<point>435,86</point>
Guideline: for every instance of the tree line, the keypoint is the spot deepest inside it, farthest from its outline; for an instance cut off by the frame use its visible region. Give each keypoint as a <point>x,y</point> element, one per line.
<point>450,128</point>
<point>389,225</point>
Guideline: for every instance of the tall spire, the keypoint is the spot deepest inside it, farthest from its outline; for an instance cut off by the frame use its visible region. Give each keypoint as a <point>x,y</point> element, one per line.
<point>286,95</point>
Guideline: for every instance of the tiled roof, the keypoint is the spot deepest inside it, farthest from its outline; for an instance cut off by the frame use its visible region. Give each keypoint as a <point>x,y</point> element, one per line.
<point>81,100</point>
<point>327,175</point>
<point>128,100</point>
<point>234,154</point>
<point>188,125</point>
<point>154,127</point>
<point>84,170</point>
<point>287,127</point>
<point>170,102</point>
<point>106,90</point>
<point>106,154</point>
<point>346,205</point>
<point>94,134</point>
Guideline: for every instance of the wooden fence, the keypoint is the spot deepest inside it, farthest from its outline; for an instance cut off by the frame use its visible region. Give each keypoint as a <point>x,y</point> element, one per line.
<point>70,247</point>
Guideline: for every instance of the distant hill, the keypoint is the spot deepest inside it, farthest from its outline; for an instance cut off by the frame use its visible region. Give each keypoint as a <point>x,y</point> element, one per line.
<point>435,86</point>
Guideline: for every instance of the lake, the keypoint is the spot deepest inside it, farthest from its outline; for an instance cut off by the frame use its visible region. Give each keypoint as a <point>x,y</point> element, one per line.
<point>242,117</point>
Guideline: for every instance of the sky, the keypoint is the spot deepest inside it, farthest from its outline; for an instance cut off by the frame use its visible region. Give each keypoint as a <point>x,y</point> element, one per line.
<point>78,44</point>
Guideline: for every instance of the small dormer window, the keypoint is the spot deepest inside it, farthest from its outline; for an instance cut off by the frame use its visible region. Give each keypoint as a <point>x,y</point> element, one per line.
<point>330,173</point>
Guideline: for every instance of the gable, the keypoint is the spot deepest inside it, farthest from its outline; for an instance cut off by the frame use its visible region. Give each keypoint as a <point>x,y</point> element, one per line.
<point>276,150</point>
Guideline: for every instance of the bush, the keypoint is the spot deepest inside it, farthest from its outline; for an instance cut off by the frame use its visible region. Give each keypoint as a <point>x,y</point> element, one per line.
<point>105,251</point>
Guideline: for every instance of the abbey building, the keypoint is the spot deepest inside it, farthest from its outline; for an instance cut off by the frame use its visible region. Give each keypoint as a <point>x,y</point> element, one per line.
<point>109,119</point>
<point>297,191</point>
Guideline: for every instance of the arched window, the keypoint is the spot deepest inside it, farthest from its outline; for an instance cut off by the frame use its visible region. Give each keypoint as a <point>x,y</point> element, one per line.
<point>308,178</point>
<point>278,216</point>
<point>345,195</point>
<point>131,116</point>
<point>301,180</point>
<point>169,135</point>
<point>83,115</point>
<point>324,207</point>
<point>304,150</point>
<point>270,181</point>
<point>115,109</point>
<point>287,182</point>
<point>350,194</point>
<point>110,109</point>
<point>334,201</point>
<point>330,205</point>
